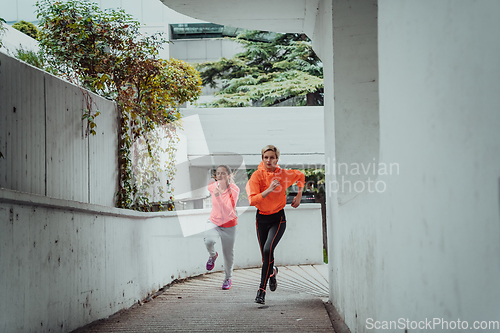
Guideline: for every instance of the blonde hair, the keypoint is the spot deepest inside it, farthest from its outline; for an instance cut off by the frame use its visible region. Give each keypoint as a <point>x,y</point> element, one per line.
<point>270,148</point>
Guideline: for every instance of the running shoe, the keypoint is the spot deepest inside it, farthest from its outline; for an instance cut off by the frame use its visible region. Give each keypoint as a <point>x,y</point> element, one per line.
<point>226,285</point>
<point>211,262</point>
<point>273,284</point>
<point>261,296</point>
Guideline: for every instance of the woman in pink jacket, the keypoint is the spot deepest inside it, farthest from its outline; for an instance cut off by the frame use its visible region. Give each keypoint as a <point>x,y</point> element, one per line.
<point>223,221</point>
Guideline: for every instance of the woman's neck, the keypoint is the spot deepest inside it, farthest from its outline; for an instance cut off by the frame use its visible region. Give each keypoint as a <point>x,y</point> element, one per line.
<point>223,185</point>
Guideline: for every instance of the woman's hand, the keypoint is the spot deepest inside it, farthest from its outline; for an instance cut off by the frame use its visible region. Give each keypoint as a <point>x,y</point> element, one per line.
<point>217,191</point>
<point>296,200</point>
<point>275,183</point>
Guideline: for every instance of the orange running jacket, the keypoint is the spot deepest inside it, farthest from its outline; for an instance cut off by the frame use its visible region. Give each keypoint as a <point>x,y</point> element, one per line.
<point>276,200</point>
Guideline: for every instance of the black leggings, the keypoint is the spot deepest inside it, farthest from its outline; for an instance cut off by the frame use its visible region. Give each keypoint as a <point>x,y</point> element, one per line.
<point>270,229</point>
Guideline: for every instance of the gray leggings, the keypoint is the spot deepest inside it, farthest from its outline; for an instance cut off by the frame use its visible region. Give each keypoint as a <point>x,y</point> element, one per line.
<point>227,237</point>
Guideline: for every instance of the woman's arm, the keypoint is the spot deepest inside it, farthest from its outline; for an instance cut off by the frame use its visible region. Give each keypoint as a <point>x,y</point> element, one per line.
<point>211,185</point>
<point>253,190</point>
<point>271,188</point>
<point>228,202</point>
<point>298,197</point>
<point>300,178</point>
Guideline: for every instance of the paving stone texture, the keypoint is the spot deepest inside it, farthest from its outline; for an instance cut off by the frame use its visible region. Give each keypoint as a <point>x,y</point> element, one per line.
<point>199,304</point>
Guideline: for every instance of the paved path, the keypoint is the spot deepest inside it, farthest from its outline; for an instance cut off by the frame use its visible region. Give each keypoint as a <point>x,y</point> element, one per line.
<point>200,305</point>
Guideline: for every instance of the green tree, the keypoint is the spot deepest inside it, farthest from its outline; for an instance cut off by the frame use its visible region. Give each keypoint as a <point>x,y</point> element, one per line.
<point>273,67</point>
<point>27,28</point>
<point>103,51</point>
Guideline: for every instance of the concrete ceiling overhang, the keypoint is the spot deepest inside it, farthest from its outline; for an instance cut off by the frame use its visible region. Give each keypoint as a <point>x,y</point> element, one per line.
<point>294,16</point>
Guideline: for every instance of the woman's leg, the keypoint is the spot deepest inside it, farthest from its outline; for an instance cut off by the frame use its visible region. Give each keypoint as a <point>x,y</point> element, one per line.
<point>227,238</point>
<point>210,238</point>
<point>269,235</point>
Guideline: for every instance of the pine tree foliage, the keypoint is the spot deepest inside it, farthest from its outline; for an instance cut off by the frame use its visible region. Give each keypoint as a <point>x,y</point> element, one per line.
<point>272,68</point>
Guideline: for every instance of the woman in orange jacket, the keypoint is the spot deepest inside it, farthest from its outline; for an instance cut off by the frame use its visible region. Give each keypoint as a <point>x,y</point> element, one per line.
<point>266,191</point>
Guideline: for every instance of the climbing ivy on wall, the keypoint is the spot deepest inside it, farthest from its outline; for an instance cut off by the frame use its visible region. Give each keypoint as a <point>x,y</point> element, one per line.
<point>149,172</point>
<point>104,51</point>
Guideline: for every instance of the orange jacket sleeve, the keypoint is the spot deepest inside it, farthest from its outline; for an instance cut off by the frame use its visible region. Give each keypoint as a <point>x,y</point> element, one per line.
<point>293,176</point>
<point>253,190</point>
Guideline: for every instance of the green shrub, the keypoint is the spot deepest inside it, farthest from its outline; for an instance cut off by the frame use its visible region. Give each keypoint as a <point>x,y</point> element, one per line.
<point>34,59</point>
<point>31,57</point>
<point>27,28</point>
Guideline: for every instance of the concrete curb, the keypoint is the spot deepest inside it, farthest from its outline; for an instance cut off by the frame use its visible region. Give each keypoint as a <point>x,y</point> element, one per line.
<point>337,322</point>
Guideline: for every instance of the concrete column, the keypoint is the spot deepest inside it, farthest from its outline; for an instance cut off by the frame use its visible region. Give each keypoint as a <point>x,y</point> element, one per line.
<point>351,115</point>
<point>356,101</point>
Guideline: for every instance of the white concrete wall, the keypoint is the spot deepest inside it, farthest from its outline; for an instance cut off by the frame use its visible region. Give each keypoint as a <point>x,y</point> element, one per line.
<point>277,15</point>
<point>355,75</point>
<point>13,39</point>
<point>152,14</point>
<point>439,96</point>
<point>323,34</point>
<point>145,11</point>
<point>352,150</point>
<point>65,264</point>
<point>42,137</point>
<point>201,50</point>
<point>296,131</point>
<point>427,245</point>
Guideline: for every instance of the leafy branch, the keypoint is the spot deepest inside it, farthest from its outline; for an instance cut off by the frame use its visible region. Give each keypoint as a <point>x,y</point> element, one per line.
<point>91,125</point>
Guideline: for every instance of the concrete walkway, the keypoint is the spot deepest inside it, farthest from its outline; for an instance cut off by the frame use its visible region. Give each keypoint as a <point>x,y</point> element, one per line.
<point>199,304</point>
